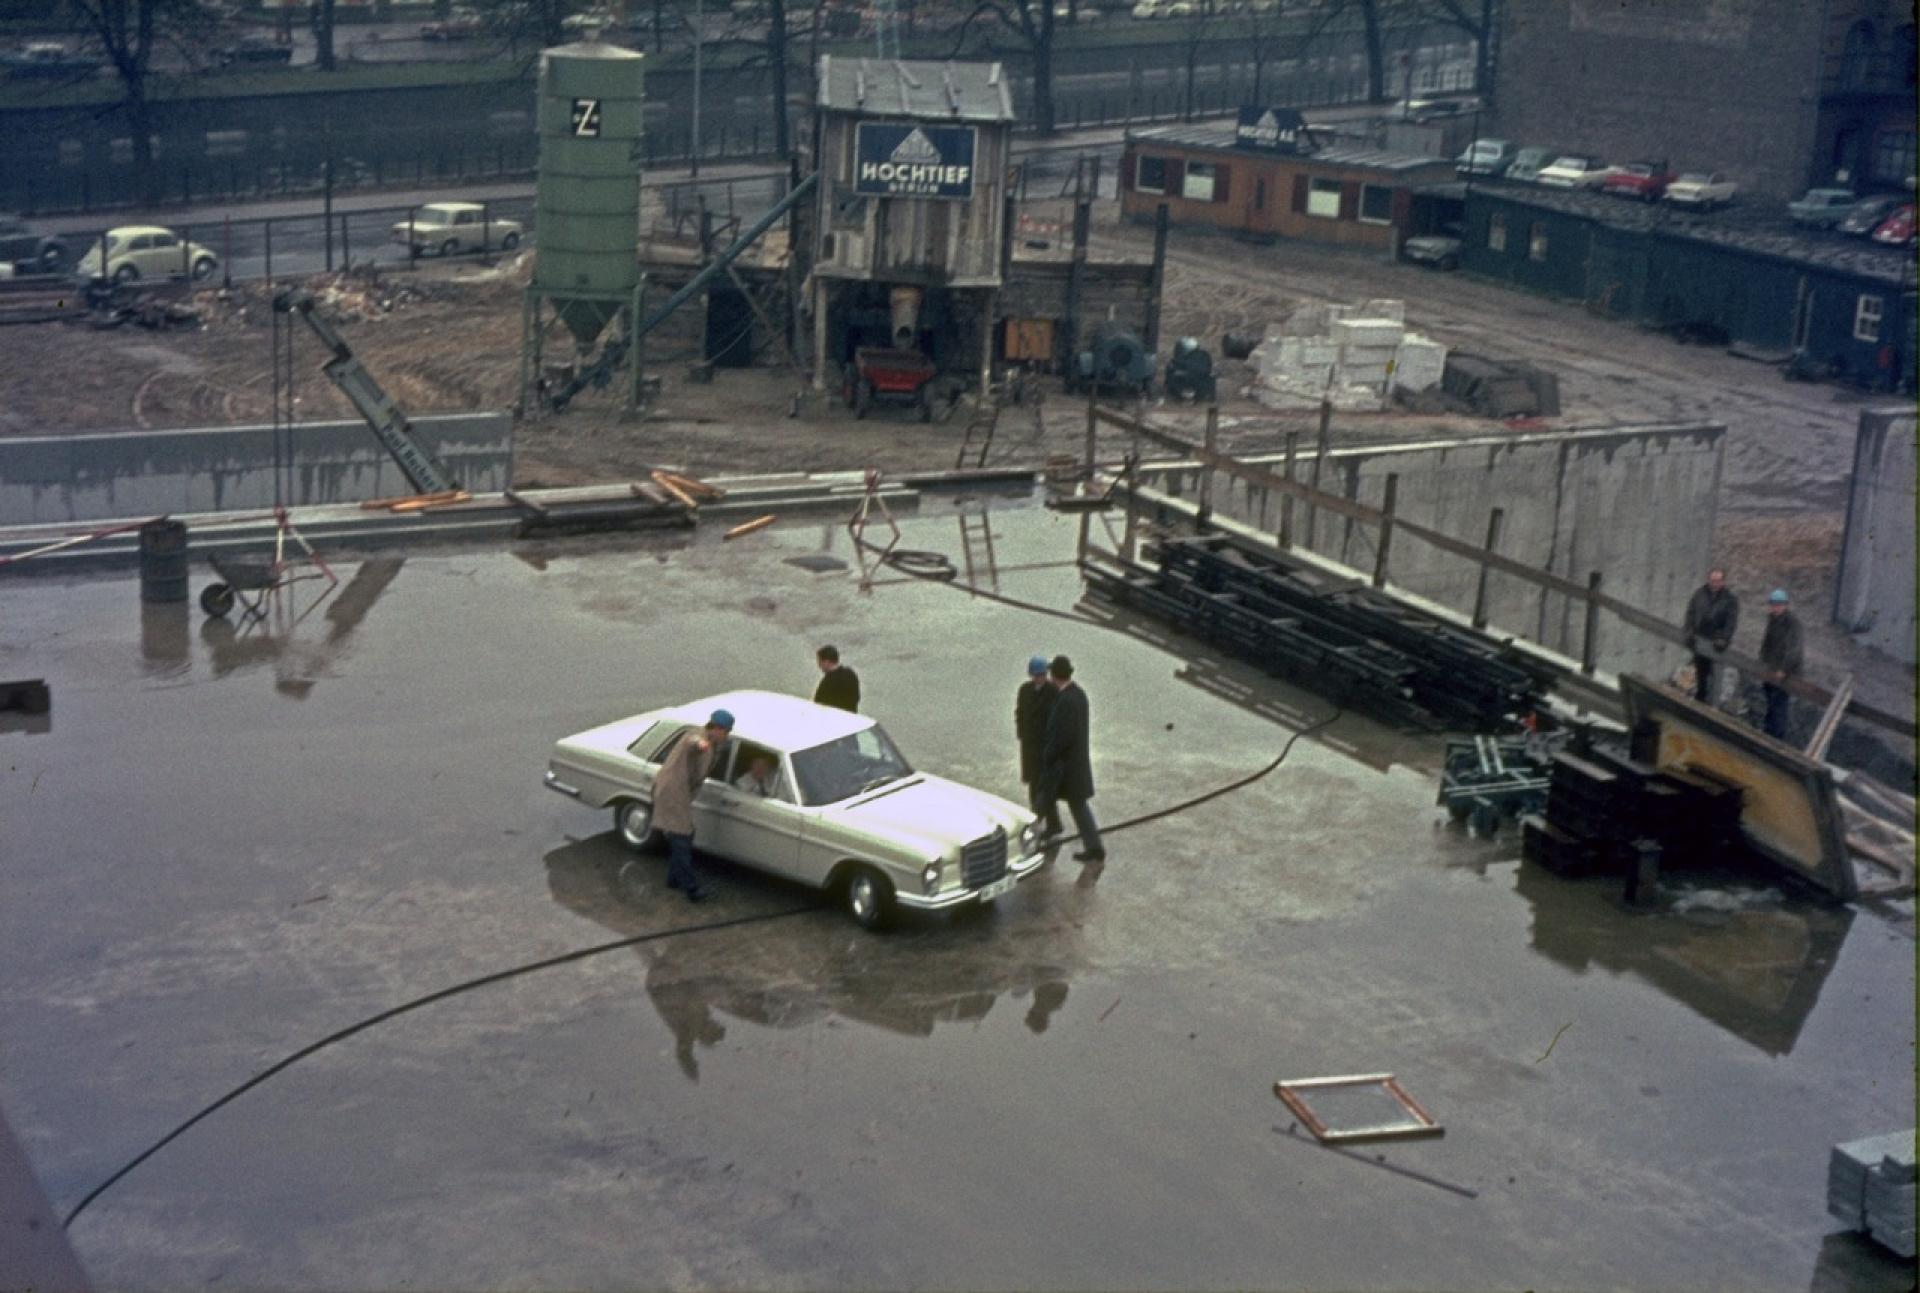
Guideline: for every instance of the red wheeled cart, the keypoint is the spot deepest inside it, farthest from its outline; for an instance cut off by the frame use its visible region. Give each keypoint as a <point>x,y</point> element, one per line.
<point>897,376</point>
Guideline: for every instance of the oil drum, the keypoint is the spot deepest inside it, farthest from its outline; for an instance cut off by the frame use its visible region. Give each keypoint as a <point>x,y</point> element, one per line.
<point>163,561</point>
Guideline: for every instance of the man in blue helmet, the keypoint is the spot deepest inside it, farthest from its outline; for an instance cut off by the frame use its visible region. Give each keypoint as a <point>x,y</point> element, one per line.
<point>1031,707</point>
<point>688,764</point>
<point>1782,652</point>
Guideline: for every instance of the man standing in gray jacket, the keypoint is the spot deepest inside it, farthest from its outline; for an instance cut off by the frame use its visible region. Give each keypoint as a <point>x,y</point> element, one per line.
<point>688,764</point>
<point>1782,652</point>
<point>1712,614</point>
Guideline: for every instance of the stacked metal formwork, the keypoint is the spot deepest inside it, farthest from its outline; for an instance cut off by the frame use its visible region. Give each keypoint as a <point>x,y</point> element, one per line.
<point>1341,638</point>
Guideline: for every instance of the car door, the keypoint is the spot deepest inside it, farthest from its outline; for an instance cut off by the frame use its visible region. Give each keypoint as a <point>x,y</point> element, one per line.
<point>162,256</point>
<point>763,831</point>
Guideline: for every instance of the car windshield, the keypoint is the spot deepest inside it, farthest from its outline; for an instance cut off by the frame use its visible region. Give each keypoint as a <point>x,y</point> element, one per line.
<point>1694,177</point>
<point>1637,168</point>
<point>855,763</point>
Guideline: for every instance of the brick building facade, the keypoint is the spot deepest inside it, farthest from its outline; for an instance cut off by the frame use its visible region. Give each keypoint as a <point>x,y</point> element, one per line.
<point>1781,94</point>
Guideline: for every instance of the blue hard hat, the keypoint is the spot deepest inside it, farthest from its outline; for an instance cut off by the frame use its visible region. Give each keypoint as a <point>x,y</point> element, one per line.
<point>721,718</point>
<point>1778,597</point>
<point>1037,665</point>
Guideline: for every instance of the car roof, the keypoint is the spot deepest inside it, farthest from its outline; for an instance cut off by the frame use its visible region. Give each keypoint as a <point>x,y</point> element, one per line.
<point>769,718</point>
<point>449,206</point>
<point>136,230</point>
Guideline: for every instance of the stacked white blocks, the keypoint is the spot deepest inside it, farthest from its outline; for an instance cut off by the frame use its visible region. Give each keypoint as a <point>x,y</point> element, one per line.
<point>1351,355</point>
<point>1870,1186</point>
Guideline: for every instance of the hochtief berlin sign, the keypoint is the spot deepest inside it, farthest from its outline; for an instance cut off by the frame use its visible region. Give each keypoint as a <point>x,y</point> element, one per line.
<point>1274,130</point>
<point>905,161</point>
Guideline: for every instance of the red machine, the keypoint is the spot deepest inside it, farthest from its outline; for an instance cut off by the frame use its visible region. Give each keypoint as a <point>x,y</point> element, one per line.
<point>896,376</point>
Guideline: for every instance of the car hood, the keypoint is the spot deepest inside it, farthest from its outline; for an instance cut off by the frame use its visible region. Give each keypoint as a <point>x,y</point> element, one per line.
<point>930,815</point>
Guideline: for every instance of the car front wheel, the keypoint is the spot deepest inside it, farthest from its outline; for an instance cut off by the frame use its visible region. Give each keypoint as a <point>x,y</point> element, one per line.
<point>634,822</point>
<point>203,269</point>
<point>451,247</point>
<point>509,242</point>
<point>125,274</point>
<point>868,896</point>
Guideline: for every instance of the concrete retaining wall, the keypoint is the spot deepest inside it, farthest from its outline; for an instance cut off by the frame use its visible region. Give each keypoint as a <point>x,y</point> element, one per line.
<point>1635,503</point>
<point>1875,592</point>
<point>53,479</point>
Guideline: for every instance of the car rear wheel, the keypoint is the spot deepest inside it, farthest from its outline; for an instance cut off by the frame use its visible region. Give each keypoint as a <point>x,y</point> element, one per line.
<point>450,247</point>
<point>634,822</point>
<point>509,242</point>
<point>125,274</point>
<point>203,269</point>
<point>869,897</point>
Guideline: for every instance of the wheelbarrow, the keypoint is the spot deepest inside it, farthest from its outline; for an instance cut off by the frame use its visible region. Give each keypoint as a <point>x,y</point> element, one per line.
<point>246,581</point>
<point>896,376</point>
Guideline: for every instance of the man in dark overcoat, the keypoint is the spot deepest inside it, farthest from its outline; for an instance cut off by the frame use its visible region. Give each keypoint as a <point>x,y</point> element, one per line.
<point>1067,760</point>
<point>1713,612</point>
<point>1031,707</point>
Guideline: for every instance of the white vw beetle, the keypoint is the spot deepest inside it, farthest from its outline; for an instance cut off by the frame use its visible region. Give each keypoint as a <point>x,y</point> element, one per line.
<point>844,811</point>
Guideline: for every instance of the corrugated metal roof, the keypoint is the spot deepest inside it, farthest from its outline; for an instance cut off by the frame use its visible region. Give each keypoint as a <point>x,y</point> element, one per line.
<point>1362,158</point>
<point>919,88</point>
<point>1823,251</point>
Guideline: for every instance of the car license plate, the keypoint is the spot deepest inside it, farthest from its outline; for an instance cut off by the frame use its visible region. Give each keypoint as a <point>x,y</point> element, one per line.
<point>991,891</point>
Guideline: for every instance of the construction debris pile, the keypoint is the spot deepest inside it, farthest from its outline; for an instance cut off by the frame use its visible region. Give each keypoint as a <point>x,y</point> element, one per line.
<point>1606,808</point>
<point>1870,1186</point>
<point>1340,638</point>
<point>1355,357</point>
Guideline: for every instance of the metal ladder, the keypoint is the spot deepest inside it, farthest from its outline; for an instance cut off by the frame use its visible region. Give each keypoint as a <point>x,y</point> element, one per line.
<point>977,529</point>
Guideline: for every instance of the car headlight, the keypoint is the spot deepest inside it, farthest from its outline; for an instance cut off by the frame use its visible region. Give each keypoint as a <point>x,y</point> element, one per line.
<point>930,876</point>
<point>1029,836</point>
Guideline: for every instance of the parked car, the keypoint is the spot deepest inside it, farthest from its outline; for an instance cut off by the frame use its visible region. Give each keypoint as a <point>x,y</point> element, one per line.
<point>1574,171</point>
<point>29,252</point>
<point>1527,164</point>
<point>848,814</point>
<point>1701,190</point>
<point>457,25</point>
<point>1645,180</point>
<point>1147,9</point>
<point>449,228</point>
<point>1442,251</point>
<point>1822,208</point>
<point>1897,229</point>
<point>49,58</point>
<point>138,251</point>
<point>251,48</point>
<point>1485,157</point>
<point>1867,214</point>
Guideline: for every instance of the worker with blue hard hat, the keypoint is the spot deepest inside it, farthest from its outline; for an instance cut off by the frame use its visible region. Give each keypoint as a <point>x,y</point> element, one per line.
<point>688,764</point>
<point>1782,653</point>
<point>1032,705</point>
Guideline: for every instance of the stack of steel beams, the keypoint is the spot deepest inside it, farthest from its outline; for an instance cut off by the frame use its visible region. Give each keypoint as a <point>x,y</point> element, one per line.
<point>1341,638</point>
<point>1870,1186</point>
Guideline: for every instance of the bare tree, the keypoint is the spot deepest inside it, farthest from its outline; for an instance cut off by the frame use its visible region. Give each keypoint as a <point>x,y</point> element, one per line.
<point>1264,31</point>
<point>1480,27</point>
<point>1032,22</point>
<point>128,32</point>
<point>323,25</point>
<point>1192,42</point>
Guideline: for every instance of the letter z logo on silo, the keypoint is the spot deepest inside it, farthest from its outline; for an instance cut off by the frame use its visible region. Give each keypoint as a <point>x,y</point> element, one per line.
<point>586,118</point>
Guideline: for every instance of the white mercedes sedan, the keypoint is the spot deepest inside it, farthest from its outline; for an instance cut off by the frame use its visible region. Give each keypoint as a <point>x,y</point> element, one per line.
<point>835,805</point>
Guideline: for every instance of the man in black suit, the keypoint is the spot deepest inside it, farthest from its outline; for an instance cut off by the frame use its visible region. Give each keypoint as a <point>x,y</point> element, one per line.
<point>1066,761</point>
<point>1031,707</point>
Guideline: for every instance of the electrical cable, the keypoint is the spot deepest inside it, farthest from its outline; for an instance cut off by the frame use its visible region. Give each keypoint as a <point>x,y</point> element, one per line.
<point>579,954</point>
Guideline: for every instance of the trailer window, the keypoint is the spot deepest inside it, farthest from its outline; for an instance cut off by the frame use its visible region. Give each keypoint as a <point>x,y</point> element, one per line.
<point>1537,242</point>
<point>1323,199</point>
<point>1376,204</point>
<point>1198,184</point>
<point>1151,176</point>
<point>1866,318</point>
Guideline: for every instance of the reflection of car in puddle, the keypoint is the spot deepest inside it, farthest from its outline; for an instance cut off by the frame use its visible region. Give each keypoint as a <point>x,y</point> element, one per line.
<point>1751,961</point>
<point>806,971</point>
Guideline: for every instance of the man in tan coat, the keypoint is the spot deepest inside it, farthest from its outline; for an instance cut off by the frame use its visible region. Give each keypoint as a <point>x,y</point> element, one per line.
<point>687,765</point>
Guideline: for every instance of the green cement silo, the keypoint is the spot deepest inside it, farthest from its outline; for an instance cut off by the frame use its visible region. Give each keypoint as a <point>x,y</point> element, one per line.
<point>588,216</point>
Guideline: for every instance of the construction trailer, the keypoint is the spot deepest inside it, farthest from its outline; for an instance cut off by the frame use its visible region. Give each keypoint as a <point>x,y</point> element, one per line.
<point>911,210</point>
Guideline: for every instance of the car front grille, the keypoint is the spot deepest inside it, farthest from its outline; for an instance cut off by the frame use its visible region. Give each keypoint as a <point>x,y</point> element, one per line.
<point>984,860</point>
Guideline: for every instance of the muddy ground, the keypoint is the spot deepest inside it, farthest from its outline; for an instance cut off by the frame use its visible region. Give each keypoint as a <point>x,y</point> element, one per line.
<point>445,338</point>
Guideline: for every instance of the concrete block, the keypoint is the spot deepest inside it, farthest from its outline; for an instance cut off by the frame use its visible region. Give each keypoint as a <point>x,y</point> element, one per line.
<point>1367,332</point>
<point>1373,375</point>
<point>1419,364</point>
<point>1383,309</point>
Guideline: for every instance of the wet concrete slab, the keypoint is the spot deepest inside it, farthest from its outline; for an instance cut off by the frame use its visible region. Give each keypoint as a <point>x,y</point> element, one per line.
<point>227,845</point>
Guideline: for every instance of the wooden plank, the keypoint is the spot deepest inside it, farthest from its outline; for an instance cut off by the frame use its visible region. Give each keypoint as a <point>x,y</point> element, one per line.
<point>424,502</point>
<point>661,479</point>
<point>749,527</point>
